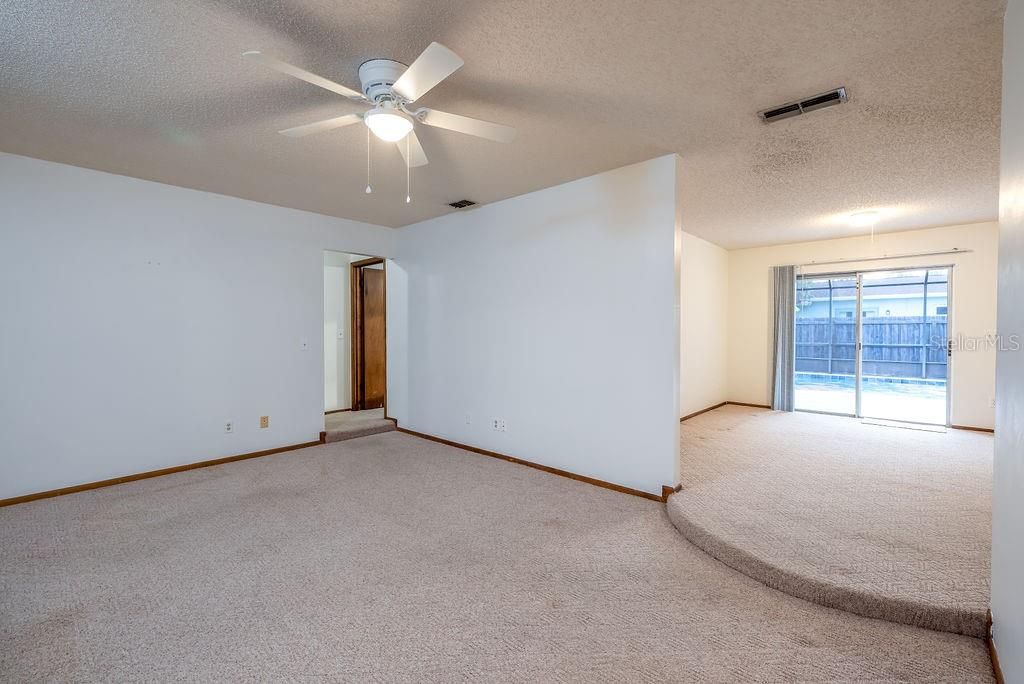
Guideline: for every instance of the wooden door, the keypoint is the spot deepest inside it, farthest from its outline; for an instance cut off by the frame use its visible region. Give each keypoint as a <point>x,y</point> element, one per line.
<point>373,371</point>
<point>369,348</point>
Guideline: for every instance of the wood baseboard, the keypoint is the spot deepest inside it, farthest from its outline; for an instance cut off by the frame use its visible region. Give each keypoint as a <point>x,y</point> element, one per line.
<point>720,405</point>
<point>327,413</point>
<point>703,410</point>
<point>973,429</point>
<point>323,437</point>
<point>150,473</point>
<point>997,671</point>
<point>743,403</point>
<point>538,466</point>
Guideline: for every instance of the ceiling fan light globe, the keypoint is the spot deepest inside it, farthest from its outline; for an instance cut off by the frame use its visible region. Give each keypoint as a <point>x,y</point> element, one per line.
<point>388,125</point>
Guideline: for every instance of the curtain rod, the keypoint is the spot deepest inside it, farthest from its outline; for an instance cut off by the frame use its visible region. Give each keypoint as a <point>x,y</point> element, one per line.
<point>955,250</point>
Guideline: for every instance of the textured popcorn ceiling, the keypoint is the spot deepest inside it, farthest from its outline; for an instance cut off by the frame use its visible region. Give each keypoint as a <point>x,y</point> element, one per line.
<point>158,89</point>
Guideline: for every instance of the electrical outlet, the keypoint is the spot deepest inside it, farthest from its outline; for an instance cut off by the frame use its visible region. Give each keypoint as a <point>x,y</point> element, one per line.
<point>264,421</point>
<point>498,424</point>
<point>229,426</point>
<point>992,402</point>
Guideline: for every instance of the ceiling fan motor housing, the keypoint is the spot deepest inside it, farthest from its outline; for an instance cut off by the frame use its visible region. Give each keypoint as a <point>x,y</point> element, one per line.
<point>377,76</point>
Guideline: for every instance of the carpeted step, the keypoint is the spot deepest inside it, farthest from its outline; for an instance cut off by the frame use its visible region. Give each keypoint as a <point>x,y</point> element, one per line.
<point>885,603</point>
<point>363,430</point>
<point>883,522</point>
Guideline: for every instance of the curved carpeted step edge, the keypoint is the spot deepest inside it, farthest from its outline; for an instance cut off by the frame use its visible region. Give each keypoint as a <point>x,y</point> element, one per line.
<point>903,611</point>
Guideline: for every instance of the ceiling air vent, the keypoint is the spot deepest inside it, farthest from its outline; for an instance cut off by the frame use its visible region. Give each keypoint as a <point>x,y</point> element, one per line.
<point>832,97</point>
<point>461,204</point>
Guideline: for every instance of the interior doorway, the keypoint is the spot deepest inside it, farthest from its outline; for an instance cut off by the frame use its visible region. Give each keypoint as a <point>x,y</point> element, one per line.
<point>875,344</point>
<point>369,332</point>
<point>355,347</point>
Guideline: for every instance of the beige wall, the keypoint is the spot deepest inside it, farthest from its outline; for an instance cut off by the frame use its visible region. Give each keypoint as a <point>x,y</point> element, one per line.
<point>973,311</point>
<point>704,305</point>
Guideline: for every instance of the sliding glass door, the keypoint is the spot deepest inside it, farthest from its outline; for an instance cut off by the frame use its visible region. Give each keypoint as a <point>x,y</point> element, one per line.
<point>904,340</point>
<point>826,344</point>
<point>874,344</point>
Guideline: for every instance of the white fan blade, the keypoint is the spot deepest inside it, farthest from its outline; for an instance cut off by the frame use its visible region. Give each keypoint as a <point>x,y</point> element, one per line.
<point>464,124</point>
<point>286,68</point>
<point>435,64</point>
<point>415,156</point>
<point>321,126</point>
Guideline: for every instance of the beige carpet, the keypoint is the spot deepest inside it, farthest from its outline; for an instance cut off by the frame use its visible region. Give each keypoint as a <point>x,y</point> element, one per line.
<point>880,521</point>
<point>351,424</point>
<point>391,558</point>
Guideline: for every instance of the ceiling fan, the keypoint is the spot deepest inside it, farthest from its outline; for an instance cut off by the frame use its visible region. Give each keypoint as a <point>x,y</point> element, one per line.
<point>390,87</point>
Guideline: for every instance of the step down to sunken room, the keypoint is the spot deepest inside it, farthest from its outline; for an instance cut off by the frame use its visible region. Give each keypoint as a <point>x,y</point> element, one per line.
<point>352,424</point>
<point>886,523</point>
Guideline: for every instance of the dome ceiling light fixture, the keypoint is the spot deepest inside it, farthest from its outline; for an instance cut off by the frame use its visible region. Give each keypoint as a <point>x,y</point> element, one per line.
<point>388,123</point>
<point>863,219</point>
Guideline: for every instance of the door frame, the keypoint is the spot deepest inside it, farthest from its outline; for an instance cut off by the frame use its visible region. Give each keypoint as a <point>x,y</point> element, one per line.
<point>356,313</point>
<point>858,335</point>
<point>858,348</point>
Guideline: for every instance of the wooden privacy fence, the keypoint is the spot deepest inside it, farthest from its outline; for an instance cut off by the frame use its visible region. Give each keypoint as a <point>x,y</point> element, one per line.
<point>893,346</point>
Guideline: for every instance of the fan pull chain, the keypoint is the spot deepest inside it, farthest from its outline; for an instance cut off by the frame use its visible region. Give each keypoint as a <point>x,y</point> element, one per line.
<point>408,174</point>
<point>368,188</point>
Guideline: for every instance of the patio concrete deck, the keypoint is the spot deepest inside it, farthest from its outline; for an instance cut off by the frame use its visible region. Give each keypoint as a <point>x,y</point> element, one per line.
<point>918,403</point>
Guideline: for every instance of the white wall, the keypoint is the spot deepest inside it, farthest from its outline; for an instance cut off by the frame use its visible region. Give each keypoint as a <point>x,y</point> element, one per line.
<point>973,312</point>
<point>556,311</point>
<point>139,317</point>
<point>1008,475</point>
<point>704,300</point>
<point>337,331</point>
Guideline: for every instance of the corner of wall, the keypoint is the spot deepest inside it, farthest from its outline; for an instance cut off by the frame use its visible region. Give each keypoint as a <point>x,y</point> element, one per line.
<point>704,324</point>
<point>1008,468</point>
